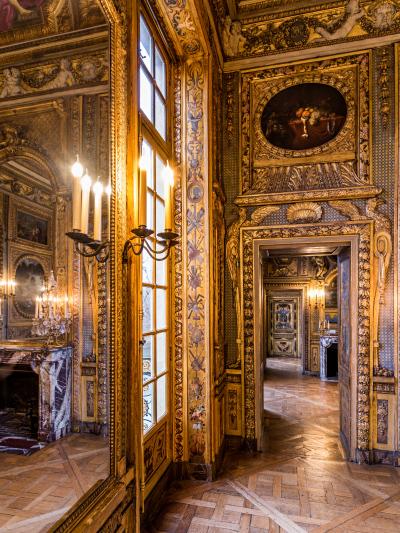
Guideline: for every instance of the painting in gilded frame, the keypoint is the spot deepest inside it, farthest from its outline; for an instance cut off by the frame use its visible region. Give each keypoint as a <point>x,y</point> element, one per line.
<point>15,14</point>
<point>304,116</point>
<point>29,279</point>
<point>32,228</point>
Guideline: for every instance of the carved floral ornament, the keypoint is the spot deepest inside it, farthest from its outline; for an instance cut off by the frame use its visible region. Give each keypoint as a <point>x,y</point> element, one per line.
<point>304,212</point>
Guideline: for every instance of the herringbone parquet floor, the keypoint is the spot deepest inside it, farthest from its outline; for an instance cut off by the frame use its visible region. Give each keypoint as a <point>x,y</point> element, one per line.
<point>301,482</point>
<point>36,491</point>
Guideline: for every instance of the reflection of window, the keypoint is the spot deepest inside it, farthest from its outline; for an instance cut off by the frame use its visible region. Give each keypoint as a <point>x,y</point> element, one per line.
<point>153,80</point>
<point>153,104</point>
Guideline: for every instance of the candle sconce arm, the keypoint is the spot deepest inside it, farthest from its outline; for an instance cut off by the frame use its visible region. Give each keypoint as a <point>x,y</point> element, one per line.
<point>168,241</point>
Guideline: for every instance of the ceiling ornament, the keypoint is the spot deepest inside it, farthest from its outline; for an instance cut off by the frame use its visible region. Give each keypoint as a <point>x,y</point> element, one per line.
<point>304,213</point>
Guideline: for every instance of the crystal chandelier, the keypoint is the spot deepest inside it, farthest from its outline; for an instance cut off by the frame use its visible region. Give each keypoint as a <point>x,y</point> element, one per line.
<point>52,315</point>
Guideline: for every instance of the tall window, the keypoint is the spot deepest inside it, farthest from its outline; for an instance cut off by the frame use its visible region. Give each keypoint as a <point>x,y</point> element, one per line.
<point>153,105</point>
<point>153,80</point>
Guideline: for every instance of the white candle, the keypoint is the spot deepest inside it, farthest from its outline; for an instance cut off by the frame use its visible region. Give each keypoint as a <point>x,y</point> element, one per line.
<point>108,191</point>
<point>37,307</point>
<point>1,308</point>
<point>66,307</point>
<point>85,184</point>
<point>50,307</point>
<point>77,171</point>
<point>169,183</point>
<point>143,198</point>
<point>98,191</point>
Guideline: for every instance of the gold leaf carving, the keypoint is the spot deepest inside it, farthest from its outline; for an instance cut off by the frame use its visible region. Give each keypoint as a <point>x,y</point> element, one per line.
<point>263,212</point>
<point>304,212</point>
<point>347,209</point>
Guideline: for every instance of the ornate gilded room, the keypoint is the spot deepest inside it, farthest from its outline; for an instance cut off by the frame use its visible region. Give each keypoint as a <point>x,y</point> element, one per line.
<point>199,300</point>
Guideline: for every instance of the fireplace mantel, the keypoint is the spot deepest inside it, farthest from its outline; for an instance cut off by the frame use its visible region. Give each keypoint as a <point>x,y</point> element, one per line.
<point>53,365</point>
<point>325,341</point>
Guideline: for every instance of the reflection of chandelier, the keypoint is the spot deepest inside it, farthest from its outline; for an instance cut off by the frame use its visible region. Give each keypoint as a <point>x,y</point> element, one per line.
<point>52,315</point>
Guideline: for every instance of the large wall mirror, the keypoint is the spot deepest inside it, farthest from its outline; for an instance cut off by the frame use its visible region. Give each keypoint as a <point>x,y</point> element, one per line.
<point>56,327</point>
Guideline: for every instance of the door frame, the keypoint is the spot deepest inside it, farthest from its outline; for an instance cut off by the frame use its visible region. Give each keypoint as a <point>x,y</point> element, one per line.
<point>350,237</point>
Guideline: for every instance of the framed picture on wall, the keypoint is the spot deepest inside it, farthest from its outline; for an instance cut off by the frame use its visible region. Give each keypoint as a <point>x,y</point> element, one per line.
<point>30,226</point>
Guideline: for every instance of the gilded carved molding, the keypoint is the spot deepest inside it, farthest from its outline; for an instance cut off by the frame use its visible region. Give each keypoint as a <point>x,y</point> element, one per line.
<point>283,25</point>
<point>382,249</point>
<point>270,170</point>
<point>384,91</point>
<point>230,106</point>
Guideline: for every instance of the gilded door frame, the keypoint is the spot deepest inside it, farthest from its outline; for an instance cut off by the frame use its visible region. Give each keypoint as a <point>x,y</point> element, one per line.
<point>356,234</point>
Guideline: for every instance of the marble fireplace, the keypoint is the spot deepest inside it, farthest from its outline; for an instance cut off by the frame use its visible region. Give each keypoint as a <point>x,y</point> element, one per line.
<point>53,368</point>
<point>328,346</point>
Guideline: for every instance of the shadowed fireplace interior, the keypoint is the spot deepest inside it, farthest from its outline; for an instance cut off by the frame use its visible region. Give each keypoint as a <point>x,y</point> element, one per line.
<point>19,401</point>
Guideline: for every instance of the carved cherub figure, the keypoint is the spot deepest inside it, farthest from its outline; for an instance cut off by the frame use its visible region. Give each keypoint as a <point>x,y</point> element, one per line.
<point>65,74</point>
<point>232,36</point>
<point>353,13</point>
<point>13,79</point>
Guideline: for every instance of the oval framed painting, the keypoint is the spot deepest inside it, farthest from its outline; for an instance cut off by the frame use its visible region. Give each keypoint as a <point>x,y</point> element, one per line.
<point>304,116</point>
<point>29,279</point>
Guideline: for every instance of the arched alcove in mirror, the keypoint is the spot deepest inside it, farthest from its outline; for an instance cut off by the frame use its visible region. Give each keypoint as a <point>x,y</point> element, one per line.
<point>54,309</point>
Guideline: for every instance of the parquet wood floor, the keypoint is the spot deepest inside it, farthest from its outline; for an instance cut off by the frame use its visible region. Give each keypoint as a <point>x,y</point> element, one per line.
<point>36,491</point>
<point>301,481</point>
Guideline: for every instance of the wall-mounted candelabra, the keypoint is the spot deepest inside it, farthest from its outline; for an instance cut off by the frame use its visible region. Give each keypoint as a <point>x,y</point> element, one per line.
<point>52,315</point>
<point>167,239</point>
<point>8,290</point>
<point>84,244</point>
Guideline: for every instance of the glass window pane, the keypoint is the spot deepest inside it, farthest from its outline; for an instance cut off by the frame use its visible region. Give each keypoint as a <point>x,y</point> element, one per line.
<point>160,217</point>
<point>161,360</point>
<point>147,152</point>
<point>148,307</point>
<point>150,219</point>
<point>146,45</point>
<point>161,114</point>
<point>161,397</point>
<point>147,268</point>
<point>148,353</point>
<point>160,185</point>
<point>146,95</point>
<point>161,272</point>
<point>148,406</point>
<point>161,308</point>
<point>160,72</point>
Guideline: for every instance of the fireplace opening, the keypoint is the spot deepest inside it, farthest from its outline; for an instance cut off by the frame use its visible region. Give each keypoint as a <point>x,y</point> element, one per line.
<point>332,361</point>
<point>19,401</point>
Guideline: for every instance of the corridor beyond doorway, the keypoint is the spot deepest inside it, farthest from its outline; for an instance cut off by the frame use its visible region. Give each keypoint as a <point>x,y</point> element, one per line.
<point>300,482</point>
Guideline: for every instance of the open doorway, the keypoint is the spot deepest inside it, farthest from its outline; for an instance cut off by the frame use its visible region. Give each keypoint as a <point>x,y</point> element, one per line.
<point>305,316</point>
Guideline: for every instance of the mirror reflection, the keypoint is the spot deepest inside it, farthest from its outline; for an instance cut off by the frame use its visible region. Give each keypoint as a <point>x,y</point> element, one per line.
<point>54,295</point>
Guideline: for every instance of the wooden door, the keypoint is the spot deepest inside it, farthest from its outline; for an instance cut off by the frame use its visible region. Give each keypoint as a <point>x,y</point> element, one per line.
<point>344,308</point>
<point>283,327</point>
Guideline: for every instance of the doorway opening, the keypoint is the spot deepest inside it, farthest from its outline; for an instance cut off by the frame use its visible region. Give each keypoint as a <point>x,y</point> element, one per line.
<point>304,322</point>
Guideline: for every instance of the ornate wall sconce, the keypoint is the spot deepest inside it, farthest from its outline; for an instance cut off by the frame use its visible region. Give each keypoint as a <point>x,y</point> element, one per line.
<point>80,216</point>
<point>8,292</point>
<point>168,239</point>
